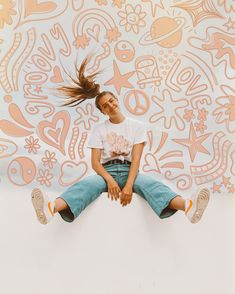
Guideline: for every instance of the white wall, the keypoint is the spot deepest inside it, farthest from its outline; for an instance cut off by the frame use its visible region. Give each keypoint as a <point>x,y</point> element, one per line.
<point>110,249</point>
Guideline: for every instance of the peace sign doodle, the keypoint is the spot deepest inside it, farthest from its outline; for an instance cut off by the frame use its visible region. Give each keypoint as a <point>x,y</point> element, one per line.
<point>137,102</point>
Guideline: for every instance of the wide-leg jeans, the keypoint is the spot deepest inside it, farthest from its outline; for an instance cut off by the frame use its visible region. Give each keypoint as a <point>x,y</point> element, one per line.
<point>84,192</point>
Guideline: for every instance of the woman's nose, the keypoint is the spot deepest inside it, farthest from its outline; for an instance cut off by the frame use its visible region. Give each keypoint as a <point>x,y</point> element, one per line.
<point>110,104</point>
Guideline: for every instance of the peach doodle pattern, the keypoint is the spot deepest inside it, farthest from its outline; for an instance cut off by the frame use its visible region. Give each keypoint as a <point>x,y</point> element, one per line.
<point>49,160</point>
<point>32,145</point>
<point>219,44</point>
<point>164,60</point>
<point>44,177</point>
<point>199,10</point>
<point>225,113</point>
<point>217,165</point>
<point>6,12</point>
<point>167,114</point>
<point>86,116</point>
<point>132,18</point>
<point>155,162</point>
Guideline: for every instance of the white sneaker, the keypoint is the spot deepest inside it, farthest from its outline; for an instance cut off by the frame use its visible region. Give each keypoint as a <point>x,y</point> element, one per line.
<point>196,205</point>
<point>44,208</point>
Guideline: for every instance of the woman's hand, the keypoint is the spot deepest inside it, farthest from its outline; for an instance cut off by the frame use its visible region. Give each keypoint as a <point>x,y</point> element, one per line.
<point>126,195</point>
<point>113,189</point>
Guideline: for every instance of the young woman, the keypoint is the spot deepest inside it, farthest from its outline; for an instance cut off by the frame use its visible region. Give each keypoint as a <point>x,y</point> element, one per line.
<point>116,149</point>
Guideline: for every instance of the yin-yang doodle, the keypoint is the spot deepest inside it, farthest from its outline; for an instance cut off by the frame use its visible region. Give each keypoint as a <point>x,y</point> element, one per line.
<point>21,171</point>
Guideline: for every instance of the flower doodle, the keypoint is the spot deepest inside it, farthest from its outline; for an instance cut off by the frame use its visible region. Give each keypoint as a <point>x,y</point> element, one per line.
<point>132,18</point>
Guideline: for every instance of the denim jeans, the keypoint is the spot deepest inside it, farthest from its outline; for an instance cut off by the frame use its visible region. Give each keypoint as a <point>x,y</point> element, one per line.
<point>82,193</point>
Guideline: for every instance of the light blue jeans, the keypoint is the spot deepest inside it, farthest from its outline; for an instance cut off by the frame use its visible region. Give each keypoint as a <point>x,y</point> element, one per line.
<point>82,193</point>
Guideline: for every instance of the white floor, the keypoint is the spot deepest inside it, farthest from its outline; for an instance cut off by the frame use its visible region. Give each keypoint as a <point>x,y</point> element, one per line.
<point>113,250</point>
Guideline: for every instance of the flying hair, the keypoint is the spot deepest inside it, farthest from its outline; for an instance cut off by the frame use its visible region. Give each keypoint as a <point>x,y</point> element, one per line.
<point>84,86</point>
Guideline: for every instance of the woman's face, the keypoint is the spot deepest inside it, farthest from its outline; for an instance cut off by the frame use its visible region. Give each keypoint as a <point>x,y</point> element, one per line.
<point>108,104</point>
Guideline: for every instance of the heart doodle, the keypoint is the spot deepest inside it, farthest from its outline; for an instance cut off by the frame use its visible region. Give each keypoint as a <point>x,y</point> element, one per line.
<point>55,135</point>
<point>94,32</point>
<point>35,10</point>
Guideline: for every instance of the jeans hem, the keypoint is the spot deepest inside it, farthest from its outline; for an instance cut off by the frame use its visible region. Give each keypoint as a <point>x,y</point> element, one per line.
<point>167,212</point>
<point>66,214</point>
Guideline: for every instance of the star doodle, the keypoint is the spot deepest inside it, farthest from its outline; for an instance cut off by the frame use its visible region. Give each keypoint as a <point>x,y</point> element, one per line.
<point>188,115</point>
<point>202,114</point>
<point>231,189</point>
<point>199,10</point>
<point>193,143</point>
<point>38,89</point>
<point>200,127</point>
<point>216,188</point>
<point>226,181</point>
<point>229,24</point>
<point>118,80</point>
<point>154,5</point>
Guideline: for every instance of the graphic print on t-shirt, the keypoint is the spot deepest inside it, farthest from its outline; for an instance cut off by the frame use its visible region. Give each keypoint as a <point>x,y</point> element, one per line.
<point>118,144</point>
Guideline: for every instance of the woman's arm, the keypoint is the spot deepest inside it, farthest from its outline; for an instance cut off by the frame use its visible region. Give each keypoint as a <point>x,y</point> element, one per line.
<point>127,191</point>
<point>113,188</point>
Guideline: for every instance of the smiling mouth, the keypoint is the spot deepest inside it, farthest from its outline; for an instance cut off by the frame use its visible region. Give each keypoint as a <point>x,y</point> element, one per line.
<point>114,108</point>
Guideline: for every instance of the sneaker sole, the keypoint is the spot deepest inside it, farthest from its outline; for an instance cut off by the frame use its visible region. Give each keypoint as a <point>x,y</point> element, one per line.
<point>202,202</point>
<point>38,204</point>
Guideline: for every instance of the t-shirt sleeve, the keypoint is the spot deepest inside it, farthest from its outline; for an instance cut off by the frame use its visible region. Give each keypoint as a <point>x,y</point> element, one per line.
<point>140,133</point>
<point>95,139</point>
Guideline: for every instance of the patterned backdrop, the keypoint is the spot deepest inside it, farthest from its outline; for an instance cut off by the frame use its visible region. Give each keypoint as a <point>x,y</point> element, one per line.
<point>170,63</point>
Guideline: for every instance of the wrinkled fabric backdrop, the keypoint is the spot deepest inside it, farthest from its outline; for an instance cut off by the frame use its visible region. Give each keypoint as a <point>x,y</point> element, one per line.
<point>170,63</point>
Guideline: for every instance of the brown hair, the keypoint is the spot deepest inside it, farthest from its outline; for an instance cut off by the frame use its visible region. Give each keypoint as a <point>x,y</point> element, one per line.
<point>84,86</point>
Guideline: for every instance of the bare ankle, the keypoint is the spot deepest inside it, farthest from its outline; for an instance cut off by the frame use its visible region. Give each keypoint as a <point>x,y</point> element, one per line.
<point>177,203</point>
<point>60,204</point>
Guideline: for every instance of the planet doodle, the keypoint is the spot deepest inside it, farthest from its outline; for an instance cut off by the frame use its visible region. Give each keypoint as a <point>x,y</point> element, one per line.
<point>164,31</point>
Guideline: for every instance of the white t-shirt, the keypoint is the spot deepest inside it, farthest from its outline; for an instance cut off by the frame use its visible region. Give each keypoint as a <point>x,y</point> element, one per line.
<point>117,140</point>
